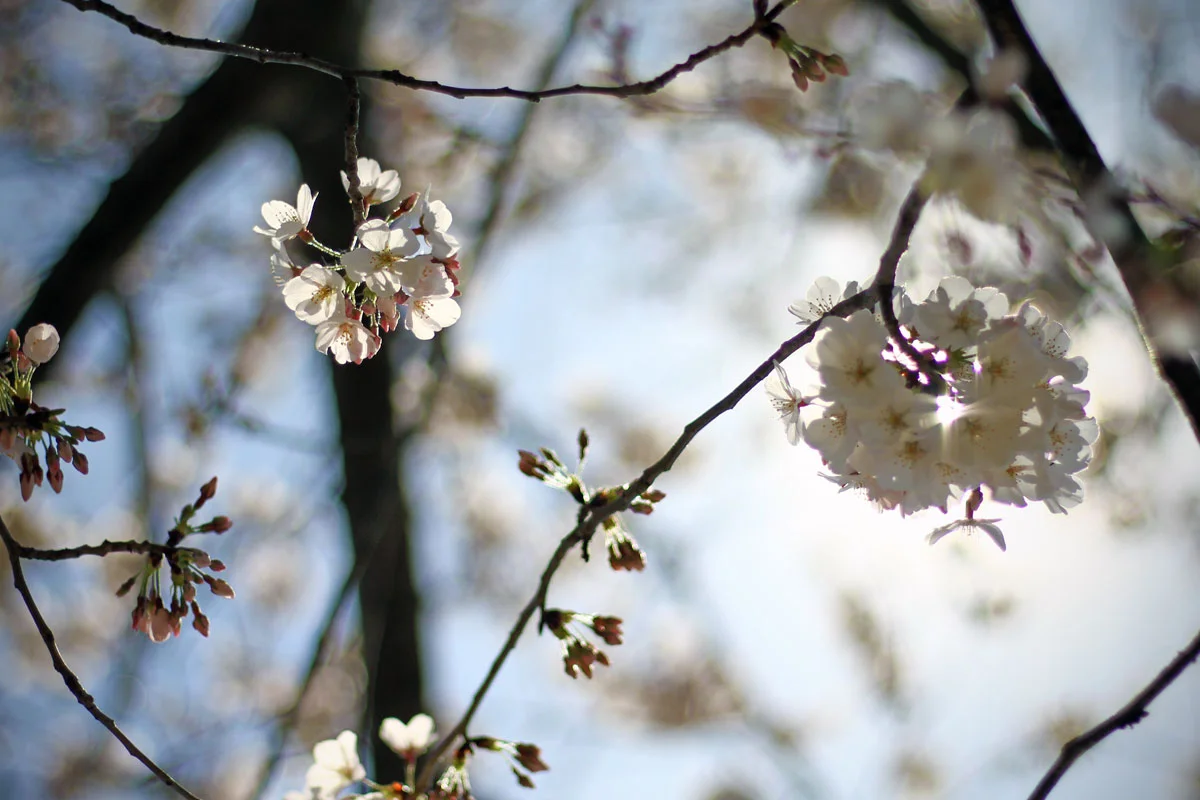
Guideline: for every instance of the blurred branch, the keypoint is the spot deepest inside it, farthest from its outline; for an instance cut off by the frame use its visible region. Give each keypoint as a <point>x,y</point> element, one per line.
<point>74,686</point>
<point>1147,275</point>
<point>264,55</point>
<point>1131,714</point>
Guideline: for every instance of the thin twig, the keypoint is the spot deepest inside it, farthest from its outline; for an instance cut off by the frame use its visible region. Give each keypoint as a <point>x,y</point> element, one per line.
<point>266,56</point>
<point>354,187</point>
<point>1131,714</point>
<point>74,686</point>
<point>591,517</point>
<point>103,549</point>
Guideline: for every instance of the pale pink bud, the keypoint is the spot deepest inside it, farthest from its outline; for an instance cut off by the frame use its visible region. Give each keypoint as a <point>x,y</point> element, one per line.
<point>41,343</point>
<point>220,588</point>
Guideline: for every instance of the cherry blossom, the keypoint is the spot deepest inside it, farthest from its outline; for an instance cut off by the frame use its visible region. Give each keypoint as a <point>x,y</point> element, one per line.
<point>376,186</point>
<point>41,343</point>
<point>1006,414</point>
<point>408,740</point>
<point>346,339</point>
<point>315,294</point>
<point>336,765</point>
<point>425,316</point>
<point>286,221</point>
<point>988,526</point>
<point>821,298</point>
<point>382,263</point>
<point>787,402</point>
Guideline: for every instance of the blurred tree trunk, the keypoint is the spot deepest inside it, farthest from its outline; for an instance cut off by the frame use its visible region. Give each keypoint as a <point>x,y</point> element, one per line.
<point>308,109</point>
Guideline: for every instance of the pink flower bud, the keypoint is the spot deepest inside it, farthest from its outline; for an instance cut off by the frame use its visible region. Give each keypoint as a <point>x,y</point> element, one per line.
<point>93,434</point>
<point>217,525</point>
<point>220,588</point>
<point>79,461</point>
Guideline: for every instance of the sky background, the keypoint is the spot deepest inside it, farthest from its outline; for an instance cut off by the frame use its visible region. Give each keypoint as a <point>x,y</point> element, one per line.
<point>627,304</point>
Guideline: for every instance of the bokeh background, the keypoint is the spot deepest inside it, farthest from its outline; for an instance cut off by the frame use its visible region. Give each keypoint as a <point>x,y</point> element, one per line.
<point>626,263</point>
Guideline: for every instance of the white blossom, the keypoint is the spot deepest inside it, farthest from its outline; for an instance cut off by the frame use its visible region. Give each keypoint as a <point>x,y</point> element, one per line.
<point>336,765</point>
<point>383,261</point>
<point>346,339</point>
<point>425,316</point>
<point>823,295</point>
<point>376,186</point>
<point>988,526</point>
<point>787,402</point>
<point>286,221</point>
<point>407,740</point>
<point>315,294</point>
<point>41,343</point>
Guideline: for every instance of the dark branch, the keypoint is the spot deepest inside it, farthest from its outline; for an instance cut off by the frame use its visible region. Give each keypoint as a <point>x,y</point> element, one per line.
<point>1139,263</point>
<point>103,549</point>
<point>354,189</point>
<point>60,665</point>
<point>1131,714</point>
<point>263,55</point>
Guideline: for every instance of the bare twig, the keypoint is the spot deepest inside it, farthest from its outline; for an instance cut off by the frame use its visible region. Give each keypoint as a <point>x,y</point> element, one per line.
<point>74,686</point>
<point>354,187</point>
<point>103,549</point>
<point>265,56</point>
<point>590,517</point>
<point>1130,714</point>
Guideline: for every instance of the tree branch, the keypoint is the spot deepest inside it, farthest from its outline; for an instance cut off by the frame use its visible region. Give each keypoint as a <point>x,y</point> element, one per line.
<point>591,517</point>
<point>1141,266</point>
<point>1130,714</point>
<point>74,686</point>
<point>103,549</point>
<point>264,55</point>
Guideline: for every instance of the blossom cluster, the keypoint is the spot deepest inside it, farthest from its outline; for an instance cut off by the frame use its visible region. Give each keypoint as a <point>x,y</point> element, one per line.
<point>578,652</point>
<point>975,398</point>
<point>402,264</point>
<point>623,550</point>
<point>160,613</point>
<point>25,426</point>
<point>336,765</point>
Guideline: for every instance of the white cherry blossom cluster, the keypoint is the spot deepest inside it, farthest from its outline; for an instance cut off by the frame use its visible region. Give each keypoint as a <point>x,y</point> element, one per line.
<point>402,264</point>
<point>990,401</point>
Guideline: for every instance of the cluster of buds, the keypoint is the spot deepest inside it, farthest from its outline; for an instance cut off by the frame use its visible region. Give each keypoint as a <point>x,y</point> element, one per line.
<point>523,757</point>
<point>623,550</point>
<point>160,614</point>
<point>547,467</point>
<point>807,63</point>
<point>25,426</point>
<point>404,262</point>
<point>454,783</point>
<point>578,652</point>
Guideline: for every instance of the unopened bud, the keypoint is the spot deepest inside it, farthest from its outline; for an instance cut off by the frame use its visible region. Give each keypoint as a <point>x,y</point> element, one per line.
<point>93,434</point>
<point>835,64</point>
<point>79,461</point>
<point>217,525</point>
<point>124,588</point>
<point>220,588</point>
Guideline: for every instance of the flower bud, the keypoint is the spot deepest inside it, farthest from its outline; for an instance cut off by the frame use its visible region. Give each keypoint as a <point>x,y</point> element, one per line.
<point>41,343</point>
